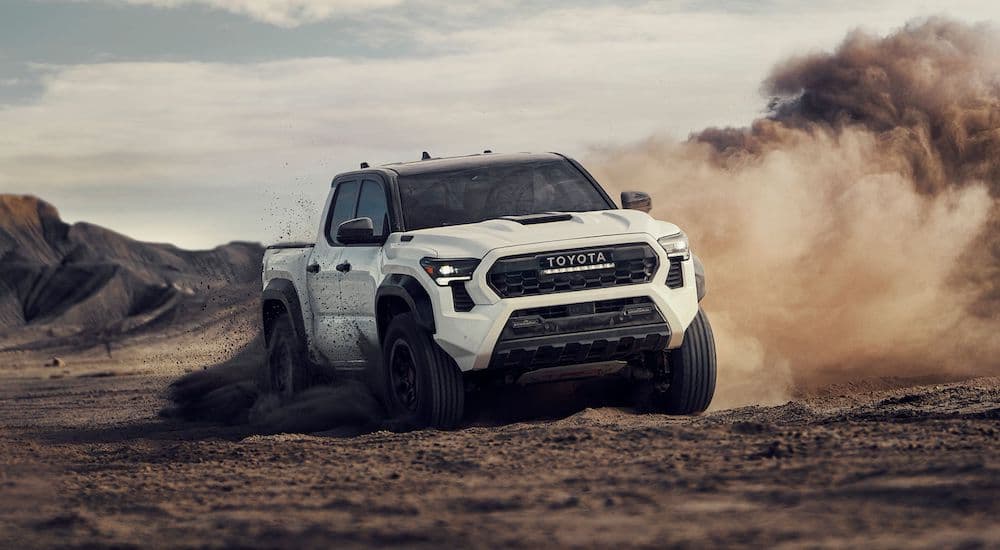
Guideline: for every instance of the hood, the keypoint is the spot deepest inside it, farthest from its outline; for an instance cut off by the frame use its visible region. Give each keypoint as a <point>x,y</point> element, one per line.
<point>475,240</point>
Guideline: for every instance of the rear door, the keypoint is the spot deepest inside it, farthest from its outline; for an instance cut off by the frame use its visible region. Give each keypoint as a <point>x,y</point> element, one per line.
<point>362,266</point>
<point>326,299</point>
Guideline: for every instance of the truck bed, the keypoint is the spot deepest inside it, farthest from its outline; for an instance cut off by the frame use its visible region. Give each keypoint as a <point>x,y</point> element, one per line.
<point>293,244</point>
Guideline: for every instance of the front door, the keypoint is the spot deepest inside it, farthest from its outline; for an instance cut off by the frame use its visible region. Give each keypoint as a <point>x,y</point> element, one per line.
<point>362,273</point>
<point>325,296</point>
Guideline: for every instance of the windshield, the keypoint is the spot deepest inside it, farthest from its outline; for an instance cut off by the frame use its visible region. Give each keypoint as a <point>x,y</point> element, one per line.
<point>476,194</point>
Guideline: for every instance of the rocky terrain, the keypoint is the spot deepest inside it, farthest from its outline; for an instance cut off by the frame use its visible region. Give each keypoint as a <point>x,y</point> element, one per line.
<point>68,287</point>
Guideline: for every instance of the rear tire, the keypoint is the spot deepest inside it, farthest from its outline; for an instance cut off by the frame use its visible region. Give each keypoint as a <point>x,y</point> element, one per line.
<point>423,384</point>
<point>286,371</point>
<point>692,370</point>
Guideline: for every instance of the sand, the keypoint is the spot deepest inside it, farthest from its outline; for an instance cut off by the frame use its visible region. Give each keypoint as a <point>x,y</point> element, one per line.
<point>86,460</point>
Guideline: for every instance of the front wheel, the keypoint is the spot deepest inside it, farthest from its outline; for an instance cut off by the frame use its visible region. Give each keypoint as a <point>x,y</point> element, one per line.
<point>688,383</point>
<point>423,384</point>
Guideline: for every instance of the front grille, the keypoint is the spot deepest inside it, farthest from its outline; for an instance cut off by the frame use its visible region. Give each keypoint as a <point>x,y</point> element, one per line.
<point>675,275</point>
<point>516,276</point>
<point>460,296</point>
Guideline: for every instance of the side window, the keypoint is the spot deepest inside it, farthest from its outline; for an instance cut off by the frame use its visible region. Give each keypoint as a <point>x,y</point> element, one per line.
<point>344,202</point>
<point>372,205</point>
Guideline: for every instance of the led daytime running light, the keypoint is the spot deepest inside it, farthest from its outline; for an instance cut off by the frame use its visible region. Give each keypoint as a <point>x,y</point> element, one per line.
<point>556,270</point>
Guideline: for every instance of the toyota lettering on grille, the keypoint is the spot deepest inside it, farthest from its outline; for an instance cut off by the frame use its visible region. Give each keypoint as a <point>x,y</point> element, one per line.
<point>576,261</point>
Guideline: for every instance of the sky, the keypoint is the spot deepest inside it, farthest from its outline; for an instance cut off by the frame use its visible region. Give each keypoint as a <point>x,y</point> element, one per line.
<point>199,122</point>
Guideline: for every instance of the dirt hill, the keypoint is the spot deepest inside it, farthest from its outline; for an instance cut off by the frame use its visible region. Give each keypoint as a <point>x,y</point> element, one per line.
<point>62,283</point>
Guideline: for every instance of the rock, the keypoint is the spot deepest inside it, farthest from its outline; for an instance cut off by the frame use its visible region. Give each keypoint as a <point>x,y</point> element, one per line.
<point>56,362</point>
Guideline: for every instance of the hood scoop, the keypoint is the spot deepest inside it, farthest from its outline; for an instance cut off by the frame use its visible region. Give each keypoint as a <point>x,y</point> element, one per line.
<point>532,219</point>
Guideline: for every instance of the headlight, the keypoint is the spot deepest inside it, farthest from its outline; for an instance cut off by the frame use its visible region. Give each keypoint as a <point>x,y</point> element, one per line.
<point>676,245</point>
<point>445,271</point>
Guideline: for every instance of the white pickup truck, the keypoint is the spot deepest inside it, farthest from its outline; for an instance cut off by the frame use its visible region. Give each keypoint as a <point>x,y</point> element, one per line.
<point>432,277</point>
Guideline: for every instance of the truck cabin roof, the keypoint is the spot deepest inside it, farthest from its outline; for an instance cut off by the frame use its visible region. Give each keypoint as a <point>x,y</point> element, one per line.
<point>449,164</point>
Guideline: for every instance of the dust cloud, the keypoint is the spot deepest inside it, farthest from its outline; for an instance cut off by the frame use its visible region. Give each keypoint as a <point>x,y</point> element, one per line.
<point>854,230</point>
<point>229,393</point>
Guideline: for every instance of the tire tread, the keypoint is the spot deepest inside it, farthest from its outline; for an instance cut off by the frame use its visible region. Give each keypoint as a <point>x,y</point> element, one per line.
<point>693,377</point>
<point>446,392</point>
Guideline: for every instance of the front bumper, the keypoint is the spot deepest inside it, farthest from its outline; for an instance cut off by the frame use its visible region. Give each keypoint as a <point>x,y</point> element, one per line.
<point>579,348</point>
<point>484,338</point>
<point>583,332</point>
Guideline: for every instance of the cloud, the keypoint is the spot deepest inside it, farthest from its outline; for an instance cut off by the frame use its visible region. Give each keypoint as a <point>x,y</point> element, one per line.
<point>565,83</point>
<point>283,13</point>
<point>294,13</point>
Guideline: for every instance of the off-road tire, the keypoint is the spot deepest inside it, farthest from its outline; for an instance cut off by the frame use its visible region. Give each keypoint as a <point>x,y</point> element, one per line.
<point>286,369</point>
<point>432,393</point>
<point>692,370</point>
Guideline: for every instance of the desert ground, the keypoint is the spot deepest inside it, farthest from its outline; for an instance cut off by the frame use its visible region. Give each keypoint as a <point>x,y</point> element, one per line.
<point>88,460</point>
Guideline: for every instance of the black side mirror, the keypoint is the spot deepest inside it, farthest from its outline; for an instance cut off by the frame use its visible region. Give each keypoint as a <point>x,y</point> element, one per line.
<point>637,200</point>
<point>357,231</point>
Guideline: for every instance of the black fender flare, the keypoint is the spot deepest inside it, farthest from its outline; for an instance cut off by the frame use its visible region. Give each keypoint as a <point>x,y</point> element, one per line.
<point>408,289</point>
<point>282,291</point>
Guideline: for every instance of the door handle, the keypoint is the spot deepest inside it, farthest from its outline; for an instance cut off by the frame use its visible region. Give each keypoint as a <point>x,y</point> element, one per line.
<point>344,267</point>
<point>312,268</point>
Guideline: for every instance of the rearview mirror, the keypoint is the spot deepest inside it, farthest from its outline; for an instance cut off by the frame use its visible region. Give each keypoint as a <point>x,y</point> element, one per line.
<point>357,231</point>
<point>637,200</point>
